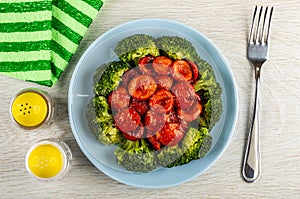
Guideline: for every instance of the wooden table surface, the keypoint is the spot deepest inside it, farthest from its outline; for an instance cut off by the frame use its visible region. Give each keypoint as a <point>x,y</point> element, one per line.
<point>226,24</point>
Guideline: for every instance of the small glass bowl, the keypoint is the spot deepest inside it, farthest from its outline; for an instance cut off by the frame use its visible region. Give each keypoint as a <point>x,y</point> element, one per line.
<point>32,108</point>
<point>48,159</point>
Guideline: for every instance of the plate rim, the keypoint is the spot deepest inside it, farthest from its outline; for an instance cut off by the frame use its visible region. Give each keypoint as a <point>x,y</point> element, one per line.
<point>118,175</point>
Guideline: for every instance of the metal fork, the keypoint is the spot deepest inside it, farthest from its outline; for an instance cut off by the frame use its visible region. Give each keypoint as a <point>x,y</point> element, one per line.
<point>257,54</point>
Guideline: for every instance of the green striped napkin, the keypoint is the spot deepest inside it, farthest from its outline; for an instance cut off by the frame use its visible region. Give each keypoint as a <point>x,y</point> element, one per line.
<point>39,37</point>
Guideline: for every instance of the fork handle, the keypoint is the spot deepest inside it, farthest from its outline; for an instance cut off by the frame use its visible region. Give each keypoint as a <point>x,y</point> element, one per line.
<point>251,164</point>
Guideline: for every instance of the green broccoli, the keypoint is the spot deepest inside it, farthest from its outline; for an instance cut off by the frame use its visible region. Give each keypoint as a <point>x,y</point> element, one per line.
<point>136,156</point>
<point>102,109</point>
<point>108,76</point>
<point>206,146</point>
<point>177,48</point>
<point>210,92</point>
<point>168,155</point>
<point>134,47</point>
<point>195,145</point>
<point>101,122</point>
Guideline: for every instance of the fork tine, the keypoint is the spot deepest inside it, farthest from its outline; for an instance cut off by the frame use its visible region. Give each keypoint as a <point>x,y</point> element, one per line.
<point>257,35</point>
<point>268,29</point>
<point>262,38</point>
<point>251,35</point>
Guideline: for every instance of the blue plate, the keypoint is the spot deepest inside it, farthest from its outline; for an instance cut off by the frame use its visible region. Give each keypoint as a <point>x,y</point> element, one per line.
<point>81,91</point>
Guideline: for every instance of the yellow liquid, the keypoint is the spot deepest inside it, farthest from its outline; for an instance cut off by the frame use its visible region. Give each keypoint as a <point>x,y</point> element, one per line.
<point>45,161</point>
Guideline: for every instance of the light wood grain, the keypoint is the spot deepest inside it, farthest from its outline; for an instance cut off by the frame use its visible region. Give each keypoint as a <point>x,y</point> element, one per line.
<point>226,23</point>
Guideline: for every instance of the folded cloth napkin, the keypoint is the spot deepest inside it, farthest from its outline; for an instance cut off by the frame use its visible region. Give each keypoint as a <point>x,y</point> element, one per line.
<point>39,37</point>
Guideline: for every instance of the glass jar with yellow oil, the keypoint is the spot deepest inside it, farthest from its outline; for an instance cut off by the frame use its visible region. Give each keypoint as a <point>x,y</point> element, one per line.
<point>48,159</point>
<point>32,108</point>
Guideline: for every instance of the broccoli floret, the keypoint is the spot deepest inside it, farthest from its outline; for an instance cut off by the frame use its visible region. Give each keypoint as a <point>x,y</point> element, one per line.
<point>168,155</point>
<point>134,47</point>
<point>206,146</point>
<point>101,122</point>
<point>207,78</point>
<point>136,156</point>
<point>177,47</point>
<point>108,76</point>
<point>212,109</point>
<point>210,92</point>
<point>102,109</point>
<point>195,145</point>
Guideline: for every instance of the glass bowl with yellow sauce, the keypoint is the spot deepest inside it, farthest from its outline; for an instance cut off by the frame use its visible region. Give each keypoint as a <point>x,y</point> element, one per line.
<point>48,159</point>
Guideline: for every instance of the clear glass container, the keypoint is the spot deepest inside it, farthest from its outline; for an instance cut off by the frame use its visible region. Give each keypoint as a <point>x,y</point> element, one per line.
<point>32,108</point>
<point>48,159</point>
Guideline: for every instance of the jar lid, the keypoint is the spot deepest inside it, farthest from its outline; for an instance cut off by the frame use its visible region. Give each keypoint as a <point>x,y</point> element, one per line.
<point>29,109</point>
